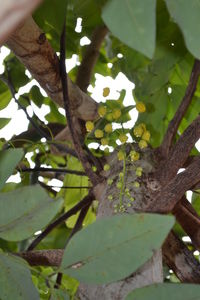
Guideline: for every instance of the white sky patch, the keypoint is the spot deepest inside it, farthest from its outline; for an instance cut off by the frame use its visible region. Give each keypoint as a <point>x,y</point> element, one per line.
<point>3,53</point>
<point>186,239</point>
<point>84,41</point>
<point>78,27</point>
<point>189,196</point>
<point>56,184</point>
<point>28,157</point>
<point>196,252</point>
<point>14,178</point>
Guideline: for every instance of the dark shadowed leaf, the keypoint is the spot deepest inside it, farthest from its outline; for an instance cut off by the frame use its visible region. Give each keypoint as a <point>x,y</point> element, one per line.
<point>24,211</point>
<point>187,14</point>
<point>133,22</point>
<point>8,160</point>
<point>110,249</point>
<point>166,291</point>
<point>15,279</point>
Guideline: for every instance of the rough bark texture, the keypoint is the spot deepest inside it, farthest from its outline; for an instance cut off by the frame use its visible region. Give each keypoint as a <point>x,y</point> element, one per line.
<point>150,272</point>
<point>35,52</point>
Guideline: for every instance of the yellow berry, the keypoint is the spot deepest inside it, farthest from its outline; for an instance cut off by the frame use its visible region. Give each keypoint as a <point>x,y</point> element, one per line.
<point>102,110</point>
<point>120,155</point>
<point>109,117</point>
<point>134,155</point>
<point>108,128</point>
<point>98,133</point>
<point>106,91</point>
<point>89,126</point>
<point>116,113</point>
<point>106,167</point>
<point>146,136</point>
<point>142,144</point>
<point>140,106</point>
<point>138,131</point>
<point>136,184</point>
<point>110,197</point>
<point>119,185</point>
<point>123,138</point>
<point>138,172</point>
<point>104,141</point>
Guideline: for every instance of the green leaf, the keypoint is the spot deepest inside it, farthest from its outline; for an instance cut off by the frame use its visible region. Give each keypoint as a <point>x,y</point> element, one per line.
<point>59,295</point>
<point>103,250</point>
<point>24,211</point>
<point>187,14</point>
<point>4,122</point>
<point>36,96</point>
<point>5,98</point>
<point>166,291</point>
<point>133,22</point>
<point>8,160</point>
<point>15,279</point>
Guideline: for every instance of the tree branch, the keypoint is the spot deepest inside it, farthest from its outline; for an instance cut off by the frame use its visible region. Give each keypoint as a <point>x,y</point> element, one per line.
<point>83,203</point>
<point>42,257</point>
<point>175,122</point>
<point>32,48</point>
<point>177,256</point>
<point>189,220</point>
<point>168,197</point>
<point>179,153</point>
<point>90,58</point>
<point>67,106</point>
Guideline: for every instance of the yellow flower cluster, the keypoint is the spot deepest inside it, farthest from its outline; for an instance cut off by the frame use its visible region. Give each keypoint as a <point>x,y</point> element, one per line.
<point>141,132</point>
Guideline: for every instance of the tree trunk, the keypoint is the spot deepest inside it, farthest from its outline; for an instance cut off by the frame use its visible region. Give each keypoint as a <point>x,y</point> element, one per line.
<point>150,272</point>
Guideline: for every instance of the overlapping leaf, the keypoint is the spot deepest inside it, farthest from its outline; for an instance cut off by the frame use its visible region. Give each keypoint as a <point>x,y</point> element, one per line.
<point>24,211</point>
<point>110,249</point>
<point>15,279</point>
<point>166,291</point>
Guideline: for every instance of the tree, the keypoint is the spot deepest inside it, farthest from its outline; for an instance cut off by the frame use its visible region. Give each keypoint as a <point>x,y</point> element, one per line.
<point>133,190</point>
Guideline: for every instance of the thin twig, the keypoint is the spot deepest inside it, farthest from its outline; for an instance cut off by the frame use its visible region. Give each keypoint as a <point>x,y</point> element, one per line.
<point>77,145</point>
<point>56,170</point>
<point>84,202</point>
<point>175,122</point>
<point>76,228</point>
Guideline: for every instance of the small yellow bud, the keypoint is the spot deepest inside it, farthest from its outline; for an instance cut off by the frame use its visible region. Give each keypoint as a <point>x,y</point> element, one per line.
<point>102,111</point>
<point>140,106</point>
<point>89,126</point>
<point>142,144</point>
<point>138,131</point>
<point>138,172</point>
<point>98,133</point>
<point>146,136</point>
<point>136,184</point>
<point>106,91</point>
<point>116,114</point>
<point>134,155</point>
<point>104,141</point>
<point>109,117</point>
<point>106,150</point>
<point>123,138</point>
<point>108,128</point>
<point>121,155</point>
<point>106,167</point>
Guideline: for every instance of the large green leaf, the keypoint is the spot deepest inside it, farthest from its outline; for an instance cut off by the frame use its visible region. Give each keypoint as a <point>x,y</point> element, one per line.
<point>166,291</point>
<point>15,279</point>
<point>8,160</point>
<point>110,249</point>
<point>24,211</point>
<point>187,14</point>
<point>133,22</point>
